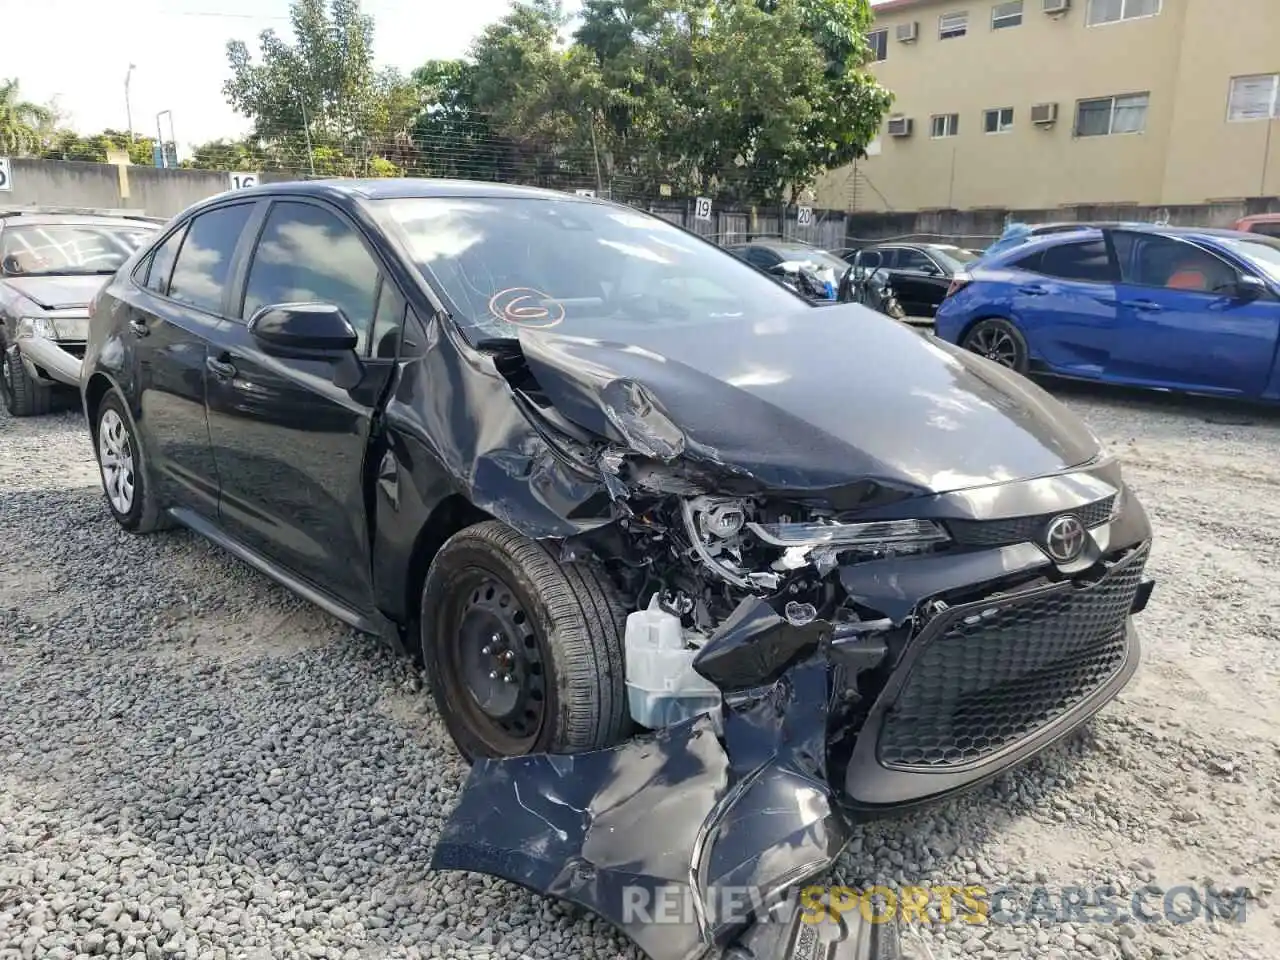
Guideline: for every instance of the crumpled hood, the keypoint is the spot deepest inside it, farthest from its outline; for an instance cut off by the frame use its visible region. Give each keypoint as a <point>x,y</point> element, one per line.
<point>57,293</point>
<point>815,399</point>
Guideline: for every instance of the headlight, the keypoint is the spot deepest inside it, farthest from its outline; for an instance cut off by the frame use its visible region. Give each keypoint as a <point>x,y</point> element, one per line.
<point>36,327</point>
<point>887,533</point>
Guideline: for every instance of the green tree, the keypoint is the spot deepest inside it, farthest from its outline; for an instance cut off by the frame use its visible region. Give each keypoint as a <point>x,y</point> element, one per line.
<point>65,144</point>
<point>23,125</point>
<point>323,89</point>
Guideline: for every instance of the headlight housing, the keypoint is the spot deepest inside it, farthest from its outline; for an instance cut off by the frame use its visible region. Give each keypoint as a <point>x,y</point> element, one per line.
<point>895,535</point>
<point>36,328</point>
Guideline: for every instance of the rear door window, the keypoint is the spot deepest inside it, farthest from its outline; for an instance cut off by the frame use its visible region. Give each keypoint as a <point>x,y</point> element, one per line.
<point>161,265</point>
<point>914,260</point>
<point>1086,261</point>
<point>204,262</point>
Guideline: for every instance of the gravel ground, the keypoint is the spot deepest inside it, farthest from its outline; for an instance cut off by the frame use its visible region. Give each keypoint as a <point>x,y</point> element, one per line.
<point>195,764</point>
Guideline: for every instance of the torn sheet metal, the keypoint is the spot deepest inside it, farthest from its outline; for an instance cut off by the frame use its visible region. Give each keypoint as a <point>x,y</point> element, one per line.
<point>682,838</point>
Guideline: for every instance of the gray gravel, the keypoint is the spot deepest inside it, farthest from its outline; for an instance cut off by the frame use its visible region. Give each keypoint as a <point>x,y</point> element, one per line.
<point>194,764</point>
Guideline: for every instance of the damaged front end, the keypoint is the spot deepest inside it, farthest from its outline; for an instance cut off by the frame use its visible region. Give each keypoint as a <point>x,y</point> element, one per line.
<point>832,618</point>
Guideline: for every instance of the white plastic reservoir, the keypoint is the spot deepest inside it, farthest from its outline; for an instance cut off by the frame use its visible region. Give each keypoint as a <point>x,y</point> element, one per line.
<point>662,687</point>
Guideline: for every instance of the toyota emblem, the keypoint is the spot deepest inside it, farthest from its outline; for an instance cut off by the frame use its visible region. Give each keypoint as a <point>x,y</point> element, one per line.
<point>1064,539</point>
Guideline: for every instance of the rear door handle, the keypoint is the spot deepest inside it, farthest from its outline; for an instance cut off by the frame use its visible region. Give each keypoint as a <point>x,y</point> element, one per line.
<point>139,327</point>
<point>221,367</point>
<point>1149,306</point>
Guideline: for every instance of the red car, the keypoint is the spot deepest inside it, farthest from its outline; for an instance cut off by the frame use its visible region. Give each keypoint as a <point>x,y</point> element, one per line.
<point>1267,224</point>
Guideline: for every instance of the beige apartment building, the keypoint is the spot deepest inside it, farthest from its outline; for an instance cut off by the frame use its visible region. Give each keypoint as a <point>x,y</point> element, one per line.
<point>1035,104</point>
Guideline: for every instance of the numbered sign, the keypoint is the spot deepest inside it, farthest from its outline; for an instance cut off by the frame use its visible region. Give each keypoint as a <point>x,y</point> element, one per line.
<point>804,216</point>
<point>6,175</point>
<point>702,208</point>
<point>585,193</point>
<point>243,181</point>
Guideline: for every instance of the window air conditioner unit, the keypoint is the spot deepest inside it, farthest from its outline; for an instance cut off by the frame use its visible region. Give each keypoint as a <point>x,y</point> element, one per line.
<point>900,126</point>
<point>1044,114</point>
<point>1057,6</point>
<point>908,32</point>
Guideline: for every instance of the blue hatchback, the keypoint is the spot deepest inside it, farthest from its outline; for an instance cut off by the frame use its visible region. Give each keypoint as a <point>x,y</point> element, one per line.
<point>1168,308</point>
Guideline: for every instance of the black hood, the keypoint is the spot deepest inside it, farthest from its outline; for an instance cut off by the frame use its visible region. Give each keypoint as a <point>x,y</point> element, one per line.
<point>57,293</point>
<point>815,399</point>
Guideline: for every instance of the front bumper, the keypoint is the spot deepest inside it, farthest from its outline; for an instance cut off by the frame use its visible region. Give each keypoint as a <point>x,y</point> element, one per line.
<point>51,361</point>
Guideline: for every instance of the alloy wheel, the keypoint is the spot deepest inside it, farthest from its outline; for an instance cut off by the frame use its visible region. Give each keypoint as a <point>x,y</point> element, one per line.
<point>115,454</point>
<point>995,344</point>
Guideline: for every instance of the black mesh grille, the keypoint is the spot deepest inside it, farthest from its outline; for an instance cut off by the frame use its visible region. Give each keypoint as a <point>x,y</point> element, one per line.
<point>997,533</point>
<point>75,349</point>
<point>995,676</point>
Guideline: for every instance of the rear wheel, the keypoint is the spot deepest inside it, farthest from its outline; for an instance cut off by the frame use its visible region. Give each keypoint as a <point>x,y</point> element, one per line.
<point>23,397</point>
<point>120,460</point>
<point>523,653</point>
<point>998,340</point>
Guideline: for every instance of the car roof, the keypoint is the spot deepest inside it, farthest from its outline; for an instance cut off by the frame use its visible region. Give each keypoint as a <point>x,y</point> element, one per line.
<point>407,188</point>
<point>47,219</point>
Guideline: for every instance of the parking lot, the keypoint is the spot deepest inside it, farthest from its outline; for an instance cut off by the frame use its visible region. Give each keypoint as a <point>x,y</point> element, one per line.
<point>194,763</point>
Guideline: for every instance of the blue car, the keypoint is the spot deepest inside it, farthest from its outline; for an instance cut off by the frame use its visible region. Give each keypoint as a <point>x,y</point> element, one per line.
<point>1163,307</point>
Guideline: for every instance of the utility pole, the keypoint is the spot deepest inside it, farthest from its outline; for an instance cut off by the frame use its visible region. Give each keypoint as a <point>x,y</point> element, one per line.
<point>128,107</point>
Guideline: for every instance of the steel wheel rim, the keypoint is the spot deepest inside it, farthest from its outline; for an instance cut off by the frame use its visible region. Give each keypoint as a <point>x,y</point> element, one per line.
<point>115,455</point>
<point>6,379</point>
<point>995,344</point>
<point>495,668</point>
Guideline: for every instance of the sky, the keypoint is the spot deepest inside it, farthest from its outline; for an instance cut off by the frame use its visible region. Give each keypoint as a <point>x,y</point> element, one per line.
<point>77,53</point>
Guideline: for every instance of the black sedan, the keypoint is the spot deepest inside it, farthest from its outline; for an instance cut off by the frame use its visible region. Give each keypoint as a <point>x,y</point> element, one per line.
<point>920,273</point>
<point>597,472</point>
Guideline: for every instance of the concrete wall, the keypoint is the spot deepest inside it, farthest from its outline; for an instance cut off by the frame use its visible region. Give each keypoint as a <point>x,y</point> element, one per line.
<point>978,228</point>
<point>159,193</point>
<point>1184,58</point>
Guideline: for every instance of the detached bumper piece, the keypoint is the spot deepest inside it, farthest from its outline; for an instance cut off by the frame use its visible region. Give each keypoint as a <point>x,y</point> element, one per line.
<point>691,840</point>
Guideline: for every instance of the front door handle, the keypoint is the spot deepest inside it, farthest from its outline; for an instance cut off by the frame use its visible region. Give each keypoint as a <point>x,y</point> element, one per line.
<point>1149,306</point>
<point>221,367</point>
<point>1033,291</point>
<point>139,327</point>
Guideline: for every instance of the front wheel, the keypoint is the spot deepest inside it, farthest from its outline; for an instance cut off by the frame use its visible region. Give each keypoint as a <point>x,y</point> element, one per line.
<point>23,397</point>
<point>523,652</point>
<point>1000,341</point>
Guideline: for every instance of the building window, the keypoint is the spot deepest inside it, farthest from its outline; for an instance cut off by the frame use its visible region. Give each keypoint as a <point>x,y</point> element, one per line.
<point>1113,11</point>
<point>953,25</point>
<point>1108,115</point>
<point>1006,15</point>
<point>1254,98</point>
<point>878,41</point>
<point>999,120</point>
<point>945,125</point>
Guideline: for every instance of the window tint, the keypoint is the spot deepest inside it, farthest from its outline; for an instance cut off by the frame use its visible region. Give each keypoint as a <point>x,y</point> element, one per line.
<point>762,257</point>
<point>205,258</point>
<point>1087,262</point>
<point>1175,264</point>
<point>162,263</point>
<point>387,321</point>
<point>307,255</point>
<point>914,260</point>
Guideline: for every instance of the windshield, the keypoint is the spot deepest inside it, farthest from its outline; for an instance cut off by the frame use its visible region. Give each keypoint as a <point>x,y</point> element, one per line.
<point>954,257</point>
<point>512,262</point>
<point>1263,253</point>
<point>68,249</point>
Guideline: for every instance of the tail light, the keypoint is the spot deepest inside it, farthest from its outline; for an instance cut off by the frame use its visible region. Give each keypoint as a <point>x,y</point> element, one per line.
<point>958,282</point>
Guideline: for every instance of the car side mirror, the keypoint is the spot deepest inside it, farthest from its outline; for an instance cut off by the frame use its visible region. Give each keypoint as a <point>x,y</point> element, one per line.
<point>930,270</point>
<point>304,330</point>
<point>1249,287</point>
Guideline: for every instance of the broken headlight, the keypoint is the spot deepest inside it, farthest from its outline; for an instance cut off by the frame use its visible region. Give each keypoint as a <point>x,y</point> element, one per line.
<point>879,535</point>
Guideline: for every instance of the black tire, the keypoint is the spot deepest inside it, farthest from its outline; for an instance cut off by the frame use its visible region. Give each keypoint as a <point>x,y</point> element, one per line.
<point>561,636</point>
<point>23,397</point>
<point>144,514</point>
<point>1000,341</point>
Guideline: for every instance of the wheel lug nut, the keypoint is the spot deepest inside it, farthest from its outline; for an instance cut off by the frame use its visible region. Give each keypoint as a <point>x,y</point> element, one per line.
<point>486,650</point>
<point>493,674</point>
